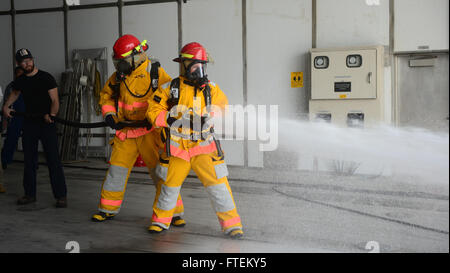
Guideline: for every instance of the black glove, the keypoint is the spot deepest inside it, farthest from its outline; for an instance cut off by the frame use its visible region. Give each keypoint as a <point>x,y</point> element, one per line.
<point>112,123</point>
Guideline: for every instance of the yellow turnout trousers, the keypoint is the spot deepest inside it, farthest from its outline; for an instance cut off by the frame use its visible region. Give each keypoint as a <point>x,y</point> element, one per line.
<point>123,157</point>
<point>212,172</point>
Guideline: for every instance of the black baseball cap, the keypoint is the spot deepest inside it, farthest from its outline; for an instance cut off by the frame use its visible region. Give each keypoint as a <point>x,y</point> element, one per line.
<point>22,54</point>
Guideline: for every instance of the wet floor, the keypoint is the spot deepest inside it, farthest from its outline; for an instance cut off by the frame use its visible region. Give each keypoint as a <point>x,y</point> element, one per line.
<point>287,213</point>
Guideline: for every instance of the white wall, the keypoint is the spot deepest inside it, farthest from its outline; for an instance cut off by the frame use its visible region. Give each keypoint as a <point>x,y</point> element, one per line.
<point>158,24</point>
<point>86,30</point>
<point>421,23</point>
<point>88,2</point>
<point>43,35</point>
<point>5,5</point>
<point>94,28</point>
<point>6,58</point>
<point>352,23</point>
<point>347,23</point>
<point>279,38</point>
<point>33,4</point>
<point>217,25</point>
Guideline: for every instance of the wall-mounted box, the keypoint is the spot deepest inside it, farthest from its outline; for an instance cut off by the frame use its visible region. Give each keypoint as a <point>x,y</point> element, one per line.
<point>350,73</point>
<point>349,89</point>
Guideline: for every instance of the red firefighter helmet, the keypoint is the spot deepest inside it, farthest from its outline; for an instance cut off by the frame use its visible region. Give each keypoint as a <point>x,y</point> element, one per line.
<point>128,45</point>
<point>193,51</point>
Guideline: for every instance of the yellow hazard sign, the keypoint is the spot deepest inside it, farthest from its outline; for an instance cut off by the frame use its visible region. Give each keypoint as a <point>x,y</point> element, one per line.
<point>296,79</point>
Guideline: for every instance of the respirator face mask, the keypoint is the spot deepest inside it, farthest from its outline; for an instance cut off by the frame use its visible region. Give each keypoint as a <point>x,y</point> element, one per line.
<point>123,66</point>
<point>195,71</point>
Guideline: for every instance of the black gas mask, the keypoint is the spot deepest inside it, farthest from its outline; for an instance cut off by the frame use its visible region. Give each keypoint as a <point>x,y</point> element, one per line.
<point>123,68</point>
<point>198,75</point>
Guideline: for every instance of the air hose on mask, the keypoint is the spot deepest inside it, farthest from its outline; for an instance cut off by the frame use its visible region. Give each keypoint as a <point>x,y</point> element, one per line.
<point>137,96</point>
<point>124,69</point>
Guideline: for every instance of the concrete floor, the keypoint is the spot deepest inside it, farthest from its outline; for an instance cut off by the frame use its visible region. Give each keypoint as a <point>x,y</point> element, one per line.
<point>281,211</point>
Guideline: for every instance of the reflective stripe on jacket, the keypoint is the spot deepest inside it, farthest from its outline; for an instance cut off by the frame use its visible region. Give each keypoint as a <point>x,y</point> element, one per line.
<point>180,146</point>
<point>131,108</point>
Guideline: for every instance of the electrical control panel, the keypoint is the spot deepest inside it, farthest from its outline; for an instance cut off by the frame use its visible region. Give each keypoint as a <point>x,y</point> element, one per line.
<point>347,85</point>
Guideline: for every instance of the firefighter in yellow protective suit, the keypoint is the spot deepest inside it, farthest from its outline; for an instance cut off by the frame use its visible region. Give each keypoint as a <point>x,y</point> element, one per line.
<point>183,110</point>
<point>125,99</point>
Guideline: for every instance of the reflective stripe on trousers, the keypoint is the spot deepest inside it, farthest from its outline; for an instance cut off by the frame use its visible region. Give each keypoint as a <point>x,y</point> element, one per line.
<point>212,174</point>
<point>123,157</point>
<point>113,189</point>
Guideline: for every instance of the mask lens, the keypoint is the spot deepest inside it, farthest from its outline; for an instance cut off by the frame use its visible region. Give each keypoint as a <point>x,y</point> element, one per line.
<point>123,66</point>
<point>198,72</point>
<point>195,71</point>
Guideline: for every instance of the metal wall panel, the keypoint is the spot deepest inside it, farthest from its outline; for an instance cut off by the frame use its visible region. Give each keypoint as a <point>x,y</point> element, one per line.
<point>421,25</point>
<point>423,94</point>
<point>33,4</point>
<point>158,24</point>
<point>89,2</point>
<point>5,5</point>
<point>93,28</point>
<point>217,25</point>
<point>279,39</point>
<point>6,69</point>
<point>43,35</point>
<point>347,23</point>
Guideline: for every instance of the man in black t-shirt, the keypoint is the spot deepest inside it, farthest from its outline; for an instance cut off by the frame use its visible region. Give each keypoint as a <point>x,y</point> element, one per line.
<point>40,93</point>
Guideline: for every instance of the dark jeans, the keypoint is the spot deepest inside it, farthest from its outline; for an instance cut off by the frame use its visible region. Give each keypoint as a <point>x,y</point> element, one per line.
<point>33,131</point>
<point>12,137</point>
<point>13,132</point>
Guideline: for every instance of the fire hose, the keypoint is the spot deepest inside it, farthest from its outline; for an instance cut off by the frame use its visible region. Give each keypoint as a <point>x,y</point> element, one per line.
<point>132,124</point>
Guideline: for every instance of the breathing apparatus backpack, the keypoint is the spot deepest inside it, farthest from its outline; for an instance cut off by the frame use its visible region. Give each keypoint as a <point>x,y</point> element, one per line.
<point>174,100</point>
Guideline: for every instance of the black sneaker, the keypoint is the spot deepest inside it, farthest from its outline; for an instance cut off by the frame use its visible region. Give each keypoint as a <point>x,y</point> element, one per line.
<point>26,200</point>
<point>61,202</point>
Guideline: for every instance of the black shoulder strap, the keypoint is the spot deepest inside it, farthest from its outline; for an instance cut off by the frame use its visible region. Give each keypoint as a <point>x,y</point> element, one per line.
<point>116,93</point>
<point>207,95</point>
<point>154,75</point>
<point>175,91</point>
<point>174,96</point>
